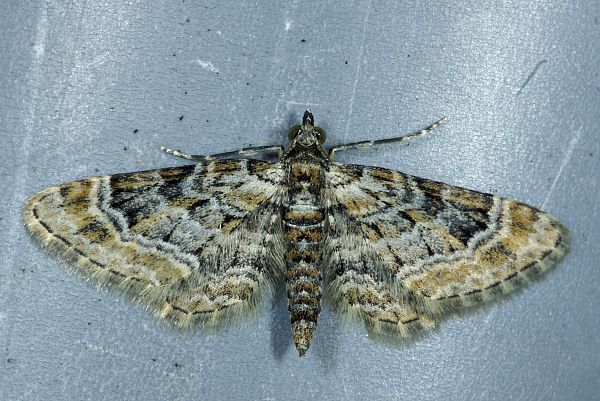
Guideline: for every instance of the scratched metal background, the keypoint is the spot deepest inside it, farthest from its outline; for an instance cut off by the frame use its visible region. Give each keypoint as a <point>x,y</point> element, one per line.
<point>95,87</point>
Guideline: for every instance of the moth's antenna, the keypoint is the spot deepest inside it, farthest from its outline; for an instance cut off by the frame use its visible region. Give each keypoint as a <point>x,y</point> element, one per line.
<point>368,144</point>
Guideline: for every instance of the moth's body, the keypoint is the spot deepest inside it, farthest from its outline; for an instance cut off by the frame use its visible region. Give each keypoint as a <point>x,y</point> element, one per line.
<point>304,223</point>
<point>203,243</point>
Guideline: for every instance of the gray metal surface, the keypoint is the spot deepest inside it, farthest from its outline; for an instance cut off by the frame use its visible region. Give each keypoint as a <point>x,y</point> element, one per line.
<point>92,88</point>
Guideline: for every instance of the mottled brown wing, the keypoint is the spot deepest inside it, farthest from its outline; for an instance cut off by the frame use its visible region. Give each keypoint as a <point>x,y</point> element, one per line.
<point>360,286</point>
<point>444,245</point>
<point>194,243</point>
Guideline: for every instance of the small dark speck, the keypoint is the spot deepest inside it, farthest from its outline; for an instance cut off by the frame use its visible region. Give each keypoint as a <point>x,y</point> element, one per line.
<point>346,62</point>
<point>89,323</point>
<point>303,40</point>
<point>247,83</point>
<point>187,20</point>
<point>178,365</point>
<point>10,360</point>
<point>185,93</point>
<point>135,131</point>
<point>180,118</point>
<point>174,54</point>
<point>208,30</point>
<point>591,154</point>
<point>96,170</point>
<point>111,108</point>
<point>206,120</point>
<point>408,55</point>
<point>124,147</point>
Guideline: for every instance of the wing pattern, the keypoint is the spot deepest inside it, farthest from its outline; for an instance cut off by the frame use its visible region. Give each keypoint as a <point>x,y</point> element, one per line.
<point>203,243</point>
<point>359,285</point>
<point>193,243</point>
<point>439,247</point>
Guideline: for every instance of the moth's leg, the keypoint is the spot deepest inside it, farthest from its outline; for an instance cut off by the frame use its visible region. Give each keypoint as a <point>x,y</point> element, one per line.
<point>245,152</point>
<point>368,144</point>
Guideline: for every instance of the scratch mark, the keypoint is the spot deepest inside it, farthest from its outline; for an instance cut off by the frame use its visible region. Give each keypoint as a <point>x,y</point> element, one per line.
<point>568,155</point>
<point>99,60</point>
<point>294,103</point>
<point>207,65</point>
<point>39,46</point>
<point>537,67</point>
<point>357,73</point>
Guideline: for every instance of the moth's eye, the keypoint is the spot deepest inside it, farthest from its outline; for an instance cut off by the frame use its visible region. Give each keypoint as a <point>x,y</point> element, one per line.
<point>293,132</point>
<point>321,134</point>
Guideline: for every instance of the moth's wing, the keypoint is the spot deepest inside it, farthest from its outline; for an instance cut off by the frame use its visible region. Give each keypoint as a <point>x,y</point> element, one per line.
<point>358,284</point>
<point>448,247</point>
<point>194,243</point>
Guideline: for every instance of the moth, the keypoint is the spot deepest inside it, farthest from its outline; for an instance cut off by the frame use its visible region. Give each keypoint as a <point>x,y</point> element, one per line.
<point>204,243</point>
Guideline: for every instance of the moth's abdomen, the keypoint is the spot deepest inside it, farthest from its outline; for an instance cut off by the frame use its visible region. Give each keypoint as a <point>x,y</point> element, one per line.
<point>303,279</point>
<point>304,220</point>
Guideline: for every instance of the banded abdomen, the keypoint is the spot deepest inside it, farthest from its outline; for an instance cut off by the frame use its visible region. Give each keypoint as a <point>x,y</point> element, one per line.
<point>303,222</point>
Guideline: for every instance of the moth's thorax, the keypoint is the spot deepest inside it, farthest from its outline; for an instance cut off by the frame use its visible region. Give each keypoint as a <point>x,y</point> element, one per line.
<point>314,152</point>
<point>304,226</point>
<point>307,138</point>
<point>306,142</point>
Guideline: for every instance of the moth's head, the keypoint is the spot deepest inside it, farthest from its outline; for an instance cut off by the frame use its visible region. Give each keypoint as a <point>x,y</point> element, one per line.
<point>307,135</point>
